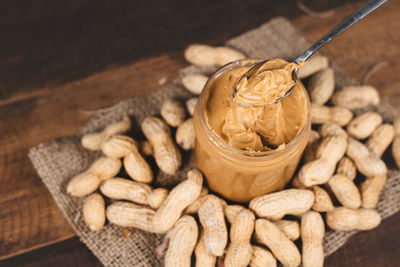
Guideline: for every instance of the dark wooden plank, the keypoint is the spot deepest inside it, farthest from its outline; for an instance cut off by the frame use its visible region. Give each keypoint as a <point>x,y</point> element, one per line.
<point>379,247</point>
<point>47,43</point>
<point>34,111</point>
<point>30,217</point>
<point>70,252</point>
<point>373,40</point>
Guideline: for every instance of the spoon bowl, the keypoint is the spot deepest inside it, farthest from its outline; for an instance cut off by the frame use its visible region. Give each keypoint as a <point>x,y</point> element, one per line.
<point>251,72</point>
<point>345,24</point>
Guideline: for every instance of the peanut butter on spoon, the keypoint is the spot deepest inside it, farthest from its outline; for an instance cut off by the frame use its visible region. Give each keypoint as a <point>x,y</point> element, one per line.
<point>263,127</point>
<point>271,81</point>
<point>265,83</point>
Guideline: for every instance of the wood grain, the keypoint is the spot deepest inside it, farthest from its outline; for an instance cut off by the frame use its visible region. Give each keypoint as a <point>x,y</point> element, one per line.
<point>70,252</point>
<point>46,84</point>
<point>373,40</point>
<point>30,217</point>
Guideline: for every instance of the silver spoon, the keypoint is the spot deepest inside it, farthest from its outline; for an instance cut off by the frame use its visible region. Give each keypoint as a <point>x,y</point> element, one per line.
<point>346,23</point>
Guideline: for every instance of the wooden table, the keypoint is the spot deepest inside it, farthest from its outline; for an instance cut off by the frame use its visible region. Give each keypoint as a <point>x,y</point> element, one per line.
<point>60,61</point>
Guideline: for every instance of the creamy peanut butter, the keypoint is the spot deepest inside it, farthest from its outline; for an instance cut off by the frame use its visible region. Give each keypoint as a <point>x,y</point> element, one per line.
<point>267,126</point>
<point>270,82</point>
<point>239,175</point>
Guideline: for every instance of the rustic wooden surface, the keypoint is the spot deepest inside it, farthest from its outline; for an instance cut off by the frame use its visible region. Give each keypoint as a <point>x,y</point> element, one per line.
<point>59,61</point>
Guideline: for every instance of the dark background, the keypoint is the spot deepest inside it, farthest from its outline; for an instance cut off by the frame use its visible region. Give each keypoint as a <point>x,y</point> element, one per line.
<point>46,42</point>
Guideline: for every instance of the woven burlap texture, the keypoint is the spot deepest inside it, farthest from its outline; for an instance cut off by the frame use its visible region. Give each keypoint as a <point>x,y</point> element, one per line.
<point>59,160</point>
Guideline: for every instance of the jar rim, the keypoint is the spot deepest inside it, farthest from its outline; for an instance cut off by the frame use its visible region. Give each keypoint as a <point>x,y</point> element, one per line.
<point>222,144</point>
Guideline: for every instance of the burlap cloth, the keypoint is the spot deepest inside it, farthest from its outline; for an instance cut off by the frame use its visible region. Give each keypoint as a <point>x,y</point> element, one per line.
<point>57,161</point>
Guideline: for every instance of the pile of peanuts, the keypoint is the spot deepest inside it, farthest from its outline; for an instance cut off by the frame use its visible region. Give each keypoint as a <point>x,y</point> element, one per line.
<point>262,232</point>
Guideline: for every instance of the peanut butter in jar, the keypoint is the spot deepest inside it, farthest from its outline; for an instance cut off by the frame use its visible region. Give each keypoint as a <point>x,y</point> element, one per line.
<point>249,151</point>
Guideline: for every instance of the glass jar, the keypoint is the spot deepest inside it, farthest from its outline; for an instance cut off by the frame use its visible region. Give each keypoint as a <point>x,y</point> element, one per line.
<point>237,174</point>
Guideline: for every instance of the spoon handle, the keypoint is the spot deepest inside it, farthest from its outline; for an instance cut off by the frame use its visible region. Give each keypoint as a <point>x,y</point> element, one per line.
<point>353,18</point>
